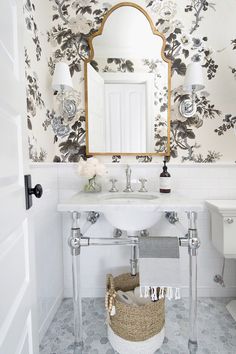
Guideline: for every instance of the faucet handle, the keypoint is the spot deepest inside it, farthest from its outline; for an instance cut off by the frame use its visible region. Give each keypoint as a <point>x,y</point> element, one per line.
<point>142,188</point>
<point>113,185</point>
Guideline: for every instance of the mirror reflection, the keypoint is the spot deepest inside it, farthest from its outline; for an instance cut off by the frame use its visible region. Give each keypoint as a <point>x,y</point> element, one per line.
<point>127,86</point>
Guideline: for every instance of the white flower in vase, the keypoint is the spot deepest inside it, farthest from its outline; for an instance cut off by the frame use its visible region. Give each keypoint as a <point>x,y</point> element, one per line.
<point>91,169</point>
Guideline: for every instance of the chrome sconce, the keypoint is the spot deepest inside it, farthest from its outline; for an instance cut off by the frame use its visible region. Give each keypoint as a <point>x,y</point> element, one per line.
<point>63,89</point>
<point>193,82</point>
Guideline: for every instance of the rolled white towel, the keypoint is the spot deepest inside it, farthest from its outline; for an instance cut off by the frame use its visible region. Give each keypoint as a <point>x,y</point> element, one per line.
<point>141,300</point>
<point>126,297</point>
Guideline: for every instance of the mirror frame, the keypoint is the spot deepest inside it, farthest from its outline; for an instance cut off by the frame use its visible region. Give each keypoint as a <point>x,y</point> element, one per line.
<point>90,58</point>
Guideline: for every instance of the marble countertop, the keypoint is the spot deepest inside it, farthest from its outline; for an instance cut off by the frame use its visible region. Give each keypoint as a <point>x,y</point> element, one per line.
<point>103,201</point>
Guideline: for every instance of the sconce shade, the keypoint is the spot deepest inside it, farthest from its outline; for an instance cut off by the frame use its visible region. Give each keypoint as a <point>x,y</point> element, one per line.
<point>194,78</point>
<point>61,78</point>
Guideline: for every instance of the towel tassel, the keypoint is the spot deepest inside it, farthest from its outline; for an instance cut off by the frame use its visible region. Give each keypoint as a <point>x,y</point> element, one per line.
<point>177,294</point>
<point>146,292</point>
<point>140,292</point>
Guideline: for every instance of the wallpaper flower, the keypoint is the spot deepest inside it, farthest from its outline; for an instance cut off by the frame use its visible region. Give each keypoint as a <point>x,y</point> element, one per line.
<point>193,31</point>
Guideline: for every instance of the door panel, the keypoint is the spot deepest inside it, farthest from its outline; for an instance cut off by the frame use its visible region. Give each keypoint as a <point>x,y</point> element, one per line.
<point>19,339</point>
<point>12,205</point>
<point>9,138</point>
<point>8,28</point>
<point>14,260</point>
<point>114,109</point>
<point>96,111</point>
<point>125,108</point>
<point>25,345</point>
<point>18,330</point>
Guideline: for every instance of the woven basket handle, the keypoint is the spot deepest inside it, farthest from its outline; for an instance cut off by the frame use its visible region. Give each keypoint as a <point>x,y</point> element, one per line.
<point>110,283</point>
<point>110,297</point>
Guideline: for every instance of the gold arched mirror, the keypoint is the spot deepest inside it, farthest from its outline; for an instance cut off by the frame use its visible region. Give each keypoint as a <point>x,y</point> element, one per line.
<point>127,86</point>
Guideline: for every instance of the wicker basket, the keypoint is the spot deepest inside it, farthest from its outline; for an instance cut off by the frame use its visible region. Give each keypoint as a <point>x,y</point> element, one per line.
<point>134,323</point>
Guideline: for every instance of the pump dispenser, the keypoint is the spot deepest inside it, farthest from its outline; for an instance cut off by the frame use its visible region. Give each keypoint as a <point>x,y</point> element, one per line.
<point>165,180</point>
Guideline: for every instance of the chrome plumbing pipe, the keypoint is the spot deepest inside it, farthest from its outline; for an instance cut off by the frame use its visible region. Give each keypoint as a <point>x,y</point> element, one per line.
<point>91,219</point>
<point>105,241</point>
<point>134,260</point>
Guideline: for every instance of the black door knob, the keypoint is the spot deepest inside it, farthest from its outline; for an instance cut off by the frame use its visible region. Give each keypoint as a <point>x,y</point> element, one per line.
<point>37,191</point>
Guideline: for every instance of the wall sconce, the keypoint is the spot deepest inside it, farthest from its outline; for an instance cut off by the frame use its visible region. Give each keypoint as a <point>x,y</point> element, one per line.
<point>193,82</point>
<point>62,85</point>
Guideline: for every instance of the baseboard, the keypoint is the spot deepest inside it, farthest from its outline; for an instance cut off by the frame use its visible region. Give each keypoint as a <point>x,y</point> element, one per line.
<point>51,313</point>
<point>202,292</point>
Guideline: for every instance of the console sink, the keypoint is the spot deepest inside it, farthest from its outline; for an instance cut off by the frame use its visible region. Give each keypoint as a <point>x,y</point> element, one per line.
<point>132,211</point>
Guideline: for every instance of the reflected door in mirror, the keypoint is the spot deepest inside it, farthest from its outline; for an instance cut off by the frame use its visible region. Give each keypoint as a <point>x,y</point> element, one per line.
<point>125,115</point>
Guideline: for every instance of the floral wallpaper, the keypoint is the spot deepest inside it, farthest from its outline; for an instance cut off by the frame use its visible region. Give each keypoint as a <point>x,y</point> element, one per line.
<point>195,31</point>
<point>37,78</point>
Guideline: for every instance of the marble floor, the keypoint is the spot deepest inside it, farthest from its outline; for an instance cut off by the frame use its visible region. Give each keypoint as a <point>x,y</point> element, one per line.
<point>216,328</point>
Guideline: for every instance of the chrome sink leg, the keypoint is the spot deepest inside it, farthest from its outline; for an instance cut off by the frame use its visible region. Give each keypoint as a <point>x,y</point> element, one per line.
<point>134,260</point>
<point>74,243</point>
<point>193,245</point>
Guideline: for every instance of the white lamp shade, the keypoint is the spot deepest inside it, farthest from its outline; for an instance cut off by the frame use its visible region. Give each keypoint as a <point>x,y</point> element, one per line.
<point>62,78</point>
<point>194,77</point>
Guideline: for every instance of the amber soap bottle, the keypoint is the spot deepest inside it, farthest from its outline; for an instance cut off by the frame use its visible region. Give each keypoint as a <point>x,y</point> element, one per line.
<point>165,180</point>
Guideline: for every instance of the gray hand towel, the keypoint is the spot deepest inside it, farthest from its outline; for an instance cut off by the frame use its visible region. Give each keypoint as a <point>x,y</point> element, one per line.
<point>159,247</point>
<point>159,262</point>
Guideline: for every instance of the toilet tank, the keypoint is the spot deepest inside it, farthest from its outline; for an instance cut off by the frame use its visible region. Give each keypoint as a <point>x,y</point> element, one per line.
<point>223,226</point>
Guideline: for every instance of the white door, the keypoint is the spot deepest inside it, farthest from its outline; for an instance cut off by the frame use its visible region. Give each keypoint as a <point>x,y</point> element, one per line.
<point>125,107</point>
<point>96,111</point>
<point>17,291</point>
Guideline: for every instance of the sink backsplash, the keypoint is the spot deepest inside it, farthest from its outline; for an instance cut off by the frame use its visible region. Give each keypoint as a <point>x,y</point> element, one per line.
<point>192,181</point>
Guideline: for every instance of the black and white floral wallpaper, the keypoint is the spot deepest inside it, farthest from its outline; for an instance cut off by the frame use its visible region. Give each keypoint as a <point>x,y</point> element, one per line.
<point>195,30</point>
<point>36,80</point>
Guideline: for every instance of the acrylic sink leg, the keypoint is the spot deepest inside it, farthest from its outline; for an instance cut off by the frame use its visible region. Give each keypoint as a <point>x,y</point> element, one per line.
<point>74,243</point>
<point>193,245</point>
<point>77,304</point>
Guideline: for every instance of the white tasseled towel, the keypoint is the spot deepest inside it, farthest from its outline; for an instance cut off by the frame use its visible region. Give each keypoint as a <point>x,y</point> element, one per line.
<point>159,272</point>
<point>159,264</point>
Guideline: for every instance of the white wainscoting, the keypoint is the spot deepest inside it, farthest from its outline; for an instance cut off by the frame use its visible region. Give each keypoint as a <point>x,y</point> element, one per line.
<point>48,244</point>
<point>195,181</point>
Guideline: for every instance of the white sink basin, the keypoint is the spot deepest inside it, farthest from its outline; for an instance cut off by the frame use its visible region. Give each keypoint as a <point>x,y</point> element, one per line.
<point>131,211</point>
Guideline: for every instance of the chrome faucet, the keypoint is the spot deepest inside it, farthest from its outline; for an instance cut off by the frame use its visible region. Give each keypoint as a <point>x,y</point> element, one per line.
<point>128,187</point>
